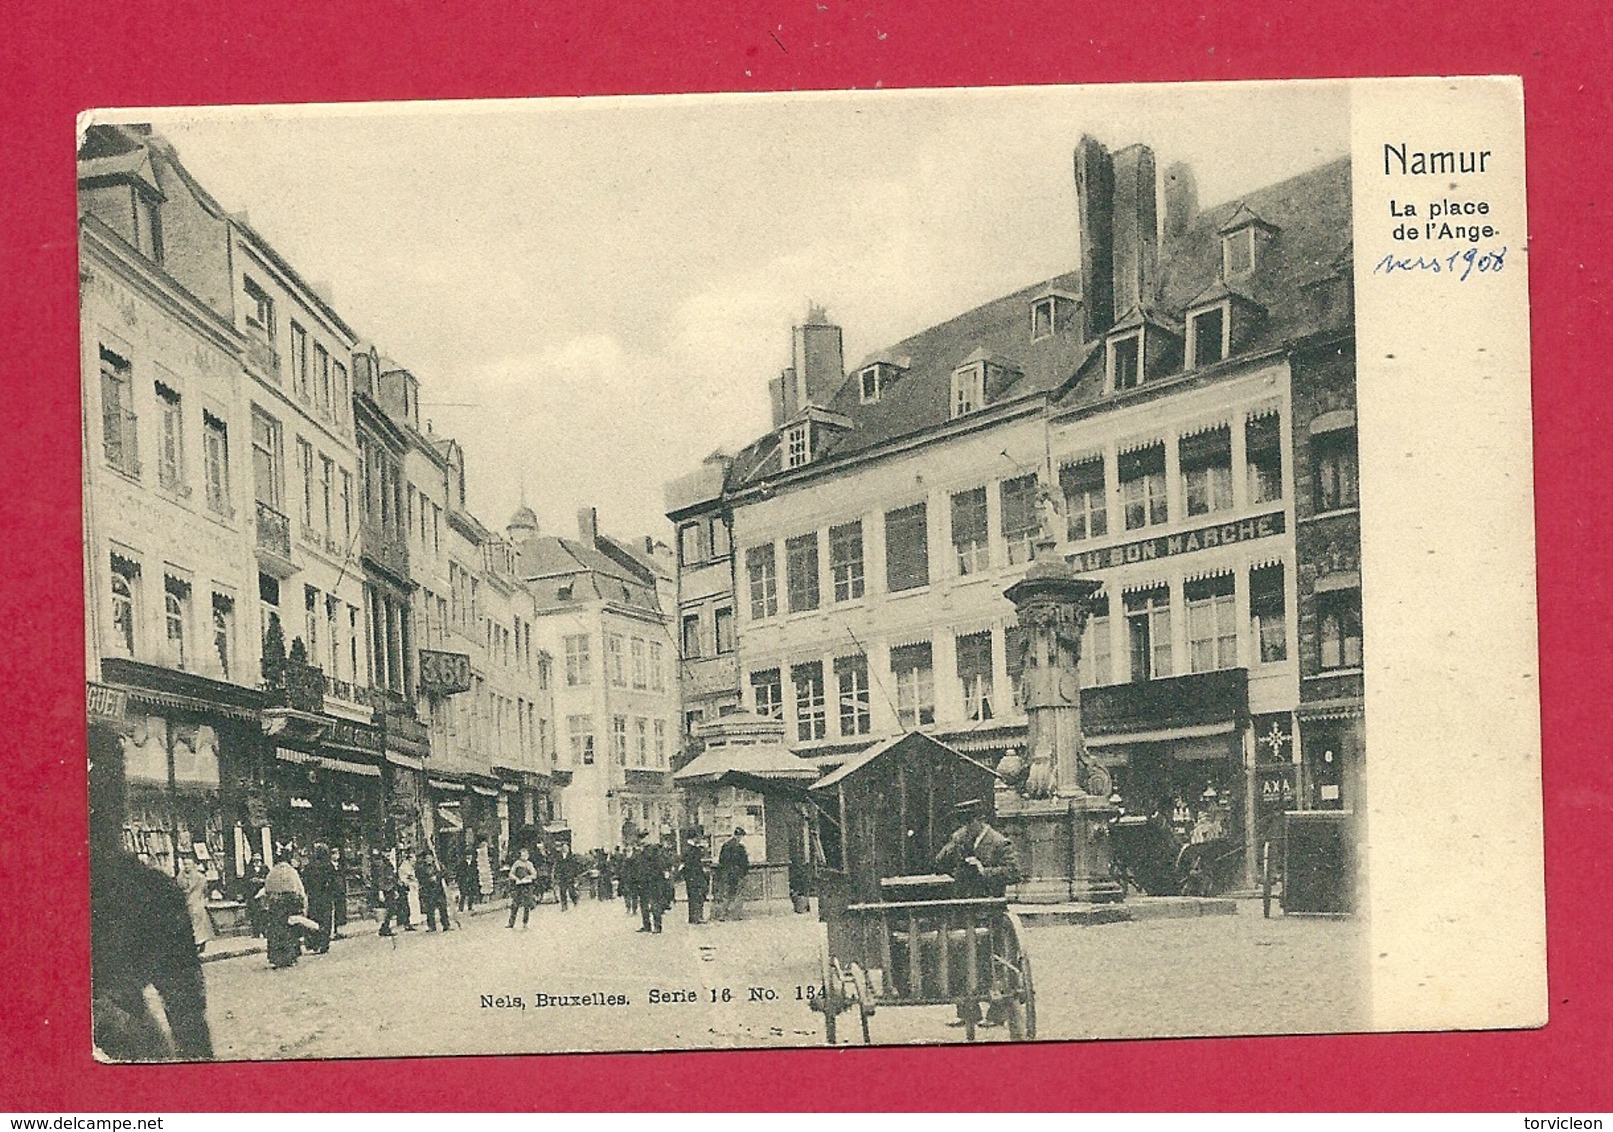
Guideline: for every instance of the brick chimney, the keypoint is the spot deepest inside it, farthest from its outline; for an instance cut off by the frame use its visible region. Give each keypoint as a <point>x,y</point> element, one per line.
<point>820,366</point>
<point>1094,203</point>
<point>784,397</point>
<point>1136,218</point>
<point>1181,199</point>
<point>588,526</point>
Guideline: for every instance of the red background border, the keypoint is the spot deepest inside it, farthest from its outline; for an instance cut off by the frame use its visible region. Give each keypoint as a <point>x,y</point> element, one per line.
<point>141,52</point>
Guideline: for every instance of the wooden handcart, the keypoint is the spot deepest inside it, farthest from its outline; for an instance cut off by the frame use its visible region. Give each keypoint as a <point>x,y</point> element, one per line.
<point>893,933</point>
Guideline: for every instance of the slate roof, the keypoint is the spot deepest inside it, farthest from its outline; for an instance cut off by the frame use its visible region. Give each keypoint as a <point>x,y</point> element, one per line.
<point>922,396</point>
<point>1308,215</point>
<point>549,564</point>
<point>1311,216</point>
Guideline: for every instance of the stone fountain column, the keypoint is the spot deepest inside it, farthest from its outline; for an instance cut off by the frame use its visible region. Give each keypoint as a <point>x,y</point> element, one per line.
<point>1059,829</point>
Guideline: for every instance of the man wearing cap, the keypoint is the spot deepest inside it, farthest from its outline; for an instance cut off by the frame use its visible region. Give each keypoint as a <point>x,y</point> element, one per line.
<point>733,862</point>
<point>983,864</point>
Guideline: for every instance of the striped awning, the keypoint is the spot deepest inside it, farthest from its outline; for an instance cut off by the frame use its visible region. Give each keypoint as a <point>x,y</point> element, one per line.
<point>445,784</point>
<point>484,791</point>
<point>325,762</point>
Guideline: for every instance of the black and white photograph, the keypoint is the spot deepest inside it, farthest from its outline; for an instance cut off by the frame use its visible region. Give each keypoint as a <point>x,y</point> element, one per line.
<point>929,557</point>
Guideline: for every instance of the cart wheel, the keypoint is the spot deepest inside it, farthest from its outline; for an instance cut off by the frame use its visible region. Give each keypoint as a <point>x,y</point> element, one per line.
<point>1022,999</point>
<point>862,1000</point>
<point>829,1001</point>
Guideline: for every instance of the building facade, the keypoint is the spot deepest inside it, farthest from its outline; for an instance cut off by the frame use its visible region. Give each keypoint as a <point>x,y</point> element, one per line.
<point>1177,415</point>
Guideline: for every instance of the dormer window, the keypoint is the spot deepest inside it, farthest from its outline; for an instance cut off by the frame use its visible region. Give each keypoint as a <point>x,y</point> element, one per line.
<point>1051,314</point>
<point>872,381</point>
<point>968,388</point>
<point>1125,361</point>
<point>797,445</point>
<point>1208,332</point>
<point>1238,252</point>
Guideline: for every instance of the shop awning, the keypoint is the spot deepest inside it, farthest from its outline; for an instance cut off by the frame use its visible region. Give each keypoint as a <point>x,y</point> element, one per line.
<point>757,761</point>
<point>444,784</point>
<point>1169,734</point>
<point>344,766</point>
<point>408,761</point>
<point>484,791</point>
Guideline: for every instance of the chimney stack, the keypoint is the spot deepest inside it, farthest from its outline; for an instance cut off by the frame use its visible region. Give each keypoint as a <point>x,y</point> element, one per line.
<point>784,395</point>
<point>1181,199</point>
<point>588,526</point>
<point>820,366</point>
<point>1136,217</point>
<point>1094,203</point>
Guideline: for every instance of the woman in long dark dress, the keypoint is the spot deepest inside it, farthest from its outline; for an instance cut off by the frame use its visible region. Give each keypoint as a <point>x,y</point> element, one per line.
<point>320,881</point>
<point>283,898</point>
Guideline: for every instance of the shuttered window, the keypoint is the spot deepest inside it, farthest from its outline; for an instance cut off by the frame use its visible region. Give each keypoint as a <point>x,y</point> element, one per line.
<point>907,549</point>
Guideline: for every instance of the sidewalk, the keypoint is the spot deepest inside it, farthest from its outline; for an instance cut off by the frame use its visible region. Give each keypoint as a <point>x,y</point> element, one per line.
<point>234,947</point>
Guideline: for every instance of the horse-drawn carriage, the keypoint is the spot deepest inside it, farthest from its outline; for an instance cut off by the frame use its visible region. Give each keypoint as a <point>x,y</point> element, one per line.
<point>893,930</point>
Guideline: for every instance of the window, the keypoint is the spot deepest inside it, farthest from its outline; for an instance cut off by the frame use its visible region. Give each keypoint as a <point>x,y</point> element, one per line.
<point>763,572</point>
<point>968,389</point>
<point>721,544</point>
<point>691,635</point>
<point>851,676</point>
<point>581,730</point>
<point>118,436</point>
<point>1206,337</point>
<point>907,549</point>
<point>1086,507</point>
<point>657,670</point>
<point>352,642</point>
<point>347,510</point>
<point>311,617</point>
<point>125,604</point>
<point>1238,252</point>
<point>1334,456</point>
<point>872,380</point>
<point>912,668</point>
<point>1096,646</point>
<point>305,463</point>
<point>797,449</point>
<point>970,539</point>
<point>846,560</point>
<point>216,463</point>
<point>171,446</point>
<point>811,712</point>
<point>724,618</point>
<point>327,491</point>
<point>641,742</point>
<point>1263,448</point>
<point>224,632</point>
<point>691,720</point>
<point>1125,362</point>
<point>267,481</point>
<point>322,378</point>
<point>176,618</point>
<point>1142,486</point>
<point>333,633</point>
<point>1042,318</point>
<point>1206,460</point>
<point>260,309</point>
<point>1148,627</point>
<point>299,360</point>
<point>660,742</point>
<point>974,673</point>
<point>691,543</point>
<point>1212,627</point>
<point>640,660</point>
<point>1340,615</point>
<point>268,601</point>
<point>618,739</point>
<point>1020,522</point>
<point>801,571</point>
<point>579,673</point>
<point>613,660</point>
<point>1268,622</point>
<point>767,689</point>
<point>344,397</point>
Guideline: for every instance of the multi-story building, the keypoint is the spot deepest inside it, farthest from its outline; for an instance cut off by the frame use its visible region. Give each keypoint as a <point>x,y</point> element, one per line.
<point>706,626</point>
<point>597,611</point>
<point>1142,411</point>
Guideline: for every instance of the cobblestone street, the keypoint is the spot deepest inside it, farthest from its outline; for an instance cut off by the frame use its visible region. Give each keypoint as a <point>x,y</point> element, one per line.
<point>424,993</point>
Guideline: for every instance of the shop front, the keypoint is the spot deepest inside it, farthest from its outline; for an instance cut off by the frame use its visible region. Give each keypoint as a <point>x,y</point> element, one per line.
<point>188,745</point>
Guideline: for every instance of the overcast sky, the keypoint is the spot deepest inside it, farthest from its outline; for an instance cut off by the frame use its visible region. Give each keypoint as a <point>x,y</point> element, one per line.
<point>595,292</point>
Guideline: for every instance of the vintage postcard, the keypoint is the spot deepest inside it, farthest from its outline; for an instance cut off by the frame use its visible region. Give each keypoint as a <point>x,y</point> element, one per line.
<point>765,570</point>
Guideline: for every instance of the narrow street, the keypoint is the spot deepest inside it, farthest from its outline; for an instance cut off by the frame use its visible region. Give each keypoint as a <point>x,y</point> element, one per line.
<point>477,990</point>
